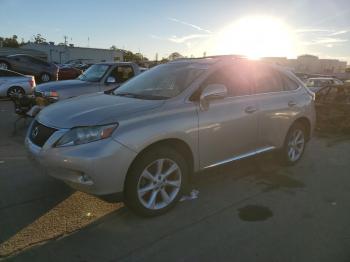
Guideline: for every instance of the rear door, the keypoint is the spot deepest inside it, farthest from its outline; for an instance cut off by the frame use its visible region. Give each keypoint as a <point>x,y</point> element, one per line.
<point>228,128</point>
<point>278,102</point>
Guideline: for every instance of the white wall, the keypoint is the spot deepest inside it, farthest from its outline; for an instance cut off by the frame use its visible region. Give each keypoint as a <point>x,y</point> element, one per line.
<point>62,54</point>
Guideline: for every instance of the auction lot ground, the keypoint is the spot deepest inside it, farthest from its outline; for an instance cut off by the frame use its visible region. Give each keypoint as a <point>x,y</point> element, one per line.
<point>300,213</point>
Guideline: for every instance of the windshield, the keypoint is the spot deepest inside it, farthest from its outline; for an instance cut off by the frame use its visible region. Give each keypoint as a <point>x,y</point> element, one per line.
<point>94,73</point>
<point>161,82</point>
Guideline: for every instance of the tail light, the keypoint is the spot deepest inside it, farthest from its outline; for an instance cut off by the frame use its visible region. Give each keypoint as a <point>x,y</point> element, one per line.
<point>32,82</point>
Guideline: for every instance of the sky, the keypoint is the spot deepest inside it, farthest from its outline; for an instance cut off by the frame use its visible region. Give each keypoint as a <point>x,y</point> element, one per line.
<point>255,28</point>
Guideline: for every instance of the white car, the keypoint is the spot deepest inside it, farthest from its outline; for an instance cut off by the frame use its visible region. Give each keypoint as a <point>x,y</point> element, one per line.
<point>316,83</point>
<point>12,83</point>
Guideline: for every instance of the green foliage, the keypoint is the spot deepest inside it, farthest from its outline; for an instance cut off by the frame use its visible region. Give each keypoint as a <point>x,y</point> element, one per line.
<point>39,39</point>
<point>9,41</point>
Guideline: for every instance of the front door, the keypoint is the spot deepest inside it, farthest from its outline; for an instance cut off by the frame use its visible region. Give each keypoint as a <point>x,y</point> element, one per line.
<point>228,129</point>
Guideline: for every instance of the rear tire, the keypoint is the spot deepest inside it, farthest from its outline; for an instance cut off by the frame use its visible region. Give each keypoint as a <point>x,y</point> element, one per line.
<point>156,181</point>
<point>45,77</point>
<point>15,90</point>
<point>294,145</point>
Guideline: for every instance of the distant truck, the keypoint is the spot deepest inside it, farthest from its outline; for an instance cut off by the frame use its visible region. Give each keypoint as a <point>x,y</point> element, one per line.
<point>101,77</point>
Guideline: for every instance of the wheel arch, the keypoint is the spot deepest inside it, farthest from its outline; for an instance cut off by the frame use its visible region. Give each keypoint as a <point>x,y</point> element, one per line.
<point>306,123</point>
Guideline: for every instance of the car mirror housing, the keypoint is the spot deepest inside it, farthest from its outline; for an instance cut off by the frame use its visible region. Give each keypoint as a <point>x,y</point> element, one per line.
<point>212,92</point>
<point>111,80</point>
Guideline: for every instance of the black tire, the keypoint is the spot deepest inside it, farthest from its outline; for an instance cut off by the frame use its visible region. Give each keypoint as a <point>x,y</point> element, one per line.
<point>15,90</point>
<point>134,179</point>
<point>286,158</point>
<point>4,65</point>
<point>45,77</point>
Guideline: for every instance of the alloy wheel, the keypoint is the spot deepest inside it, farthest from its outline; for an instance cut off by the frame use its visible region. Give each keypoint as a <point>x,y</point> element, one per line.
<point>15,91</point>
<point>3,65</point>
<point>45,77</point>
<point>159,184</point>
<point>296,145</point>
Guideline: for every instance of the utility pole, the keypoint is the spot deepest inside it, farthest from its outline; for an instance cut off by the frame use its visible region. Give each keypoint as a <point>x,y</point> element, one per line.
<point>65,40</point>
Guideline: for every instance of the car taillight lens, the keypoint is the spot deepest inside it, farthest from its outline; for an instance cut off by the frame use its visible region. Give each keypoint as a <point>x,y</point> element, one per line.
<point>32,82</point>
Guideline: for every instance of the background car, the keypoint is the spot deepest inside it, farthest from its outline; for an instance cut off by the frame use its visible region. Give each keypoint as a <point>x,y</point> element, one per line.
<point>13,83</point>
<point>25,64</point>
<point>316,83</point>
<point>66,73</point>
<point>81,64</point>
<point>102,77</point>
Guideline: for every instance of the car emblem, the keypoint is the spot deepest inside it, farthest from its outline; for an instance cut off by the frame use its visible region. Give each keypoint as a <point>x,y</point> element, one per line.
<point>35,132</point>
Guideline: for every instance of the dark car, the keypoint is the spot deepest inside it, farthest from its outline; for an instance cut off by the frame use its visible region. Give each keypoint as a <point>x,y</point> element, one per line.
<point>67,73</point>
<point>29,65</point>
<point>333,108</point>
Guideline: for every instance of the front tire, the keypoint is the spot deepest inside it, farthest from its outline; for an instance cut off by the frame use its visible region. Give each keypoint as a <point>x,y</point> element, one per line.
<point>294,145</point>
<point>155,181</point>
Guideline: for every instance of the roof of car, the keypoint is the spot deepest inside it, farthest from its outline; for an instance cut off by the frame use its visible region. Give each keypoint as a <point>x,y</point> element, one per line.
<point>320,78</point>
<point>114,63</point>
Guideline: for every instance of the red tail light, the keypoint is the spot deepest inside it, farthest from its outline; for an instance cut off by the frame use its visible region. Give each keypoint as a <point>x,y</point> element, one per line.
<point>32,82</point>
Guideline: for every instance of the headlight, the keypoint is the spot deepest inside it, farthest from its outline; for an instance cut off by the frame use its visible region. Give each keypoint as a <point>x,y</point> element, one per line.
<point>83,135</point>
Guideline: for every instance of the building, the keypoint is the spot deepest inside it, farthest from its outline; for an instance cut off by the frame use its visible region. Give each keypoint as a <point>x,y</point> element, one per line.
<point>310,64</point>
<point>63,53</point>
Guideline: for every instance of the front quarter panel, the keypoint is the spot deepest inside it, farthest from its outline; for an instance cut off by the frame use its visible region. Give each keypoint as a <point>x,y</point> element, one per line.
<point>171,121</point>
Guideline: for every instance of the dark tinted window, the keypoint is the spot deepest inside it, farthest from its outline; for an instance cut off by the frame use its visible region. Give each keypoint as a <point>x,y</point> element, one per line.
<point>124,73</point>
<point>267,80</point>
<point>238,80</point>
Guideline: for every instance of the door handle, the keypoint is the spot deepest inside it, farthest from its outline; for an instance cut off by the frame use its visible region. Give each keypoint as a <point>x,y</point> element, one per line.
<point>250,109</point>
<point>292,103</point>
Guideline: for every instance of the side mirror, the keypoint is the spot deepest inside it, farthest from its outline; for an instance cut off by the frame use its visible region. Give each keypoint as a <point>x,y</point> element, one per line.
<point>212,92</point>
<point>111,80</point>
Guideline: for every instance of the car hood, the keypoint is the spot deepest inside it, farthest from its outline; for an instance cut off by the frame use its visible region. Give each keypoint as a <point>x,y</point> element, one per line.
<point>93,109</point>
<point>61,85</point>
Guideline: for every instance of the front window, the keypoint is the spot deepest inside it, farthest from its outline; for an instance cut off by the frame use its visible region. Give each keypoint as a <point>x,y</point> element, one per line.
<point>161,82</point>
<point>94,73</point>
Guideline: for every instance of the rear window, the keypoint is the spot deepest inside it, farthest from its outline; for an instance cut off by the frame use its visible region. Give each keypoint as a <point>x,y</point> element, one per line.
<point>267,80</point>
<point>289,84</point>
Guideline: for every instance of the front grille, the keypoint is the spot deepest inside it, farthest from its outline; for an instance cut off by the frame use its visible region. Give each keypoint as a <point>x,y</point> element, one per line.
<point>40,133</point>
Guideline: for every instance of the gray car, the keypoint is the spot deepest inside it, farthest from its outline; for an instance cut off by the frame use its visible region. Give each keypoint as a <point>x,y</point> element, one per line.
<point>143,141</point>
<point>29,65</point>
<point>102,77</point>
<point>13,83</point>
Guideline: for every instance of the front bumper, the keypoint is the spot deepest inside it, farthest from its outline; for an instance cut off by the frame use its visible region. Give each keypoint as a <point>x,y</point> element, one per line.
<point>97,168</point>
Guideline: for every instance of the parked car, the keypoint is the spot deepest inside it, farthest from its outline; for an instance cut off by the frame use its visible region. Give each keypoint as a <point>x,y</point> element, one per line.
<point>67,73</point>
<point>144,140</point>
<point>81,64</point>
<point>13,83</point>
<point>103,77</point>
<point>28,65</point>
<point>333,108</point>
<point>315,84</point>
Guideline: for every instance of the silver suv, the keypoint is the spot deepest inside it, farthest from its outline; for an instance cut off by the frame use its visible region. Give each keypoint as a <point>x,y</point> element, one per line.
<point>144,140</point>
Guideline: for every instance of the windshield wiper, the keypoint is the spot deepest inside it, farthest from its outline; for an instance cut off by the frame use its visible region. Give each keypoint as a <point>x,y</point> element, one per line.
<point>141,96</point>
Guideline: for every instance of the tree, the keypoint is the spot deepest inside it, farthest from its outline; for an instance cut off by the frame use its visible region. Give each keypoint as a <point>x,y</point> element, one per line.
<point>9,41</point>
<point>113,47</point>
<point>39,39</point>
<point>174,56</point>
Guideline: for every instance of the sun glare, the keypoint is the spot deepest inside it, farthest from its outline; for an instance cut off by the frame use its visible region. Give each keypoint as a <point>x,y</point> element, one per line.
<point>255,37</point>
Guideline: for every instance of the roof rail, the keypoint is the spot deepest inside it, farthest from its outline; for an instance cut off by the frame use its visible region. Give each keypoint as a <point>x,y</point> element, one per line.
<point>214,56</point>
